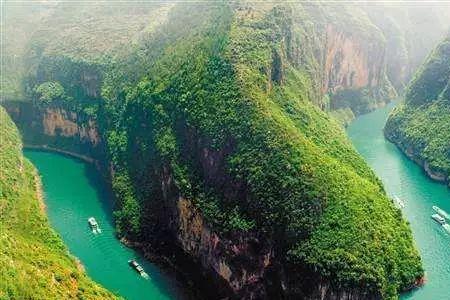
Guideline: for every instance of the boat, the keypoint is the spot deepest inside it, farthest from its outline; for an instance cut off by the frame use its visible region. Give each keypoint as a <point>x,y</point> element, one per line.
<point>447,227</point>
<point>399,202</point>
<point>441,212</point>
<point>94,225</point>
<point>135,265</point>
<point>438,218</point>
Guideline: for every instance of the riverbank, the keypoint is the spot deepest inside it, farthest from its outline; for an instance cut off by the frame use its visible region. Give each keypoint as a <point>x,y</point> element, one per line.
<point>410,153</point>
<point>75,191</point>
<point>166,258</point>
<point>34,261</point>
<point>404,178</point>
<point>84,158</point>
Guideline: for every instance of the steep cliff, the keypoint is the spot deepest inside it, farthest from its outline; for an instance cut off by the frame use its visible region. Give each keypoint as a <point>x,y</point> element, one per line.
<point>218,146</point>
<point>420,125</point>
<point>411,34</point>
<point>34,263</point>
<point>58,126</point>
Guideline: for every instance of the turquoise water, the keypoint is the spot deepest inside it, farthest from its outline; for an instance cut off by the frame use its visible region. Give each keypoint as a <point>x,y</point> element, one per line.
<point>405,179</point>
<point>74,192</point>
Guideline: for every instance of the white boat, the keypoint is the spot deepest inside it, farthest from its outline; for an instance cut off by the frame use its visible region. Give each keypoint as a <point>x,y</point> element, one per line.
<point>438,218</point>
<point>399,203</point>
<point>94,225</point>
<point>441,212</point>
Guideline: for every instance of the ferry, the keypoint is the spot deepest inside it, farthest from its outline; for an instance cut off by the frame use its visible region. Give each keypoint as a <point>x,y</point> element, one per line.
<point>438,218</point>
<point>94,225</point>
<point>135,265</point>
<point>441,212</point>
<point>399,202</point>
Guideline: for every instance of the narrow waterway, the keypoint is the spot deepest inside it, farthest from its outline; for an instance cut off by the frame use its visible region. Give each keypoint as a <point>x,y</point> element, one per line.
<point>74,192</point>
<point>405,179</point>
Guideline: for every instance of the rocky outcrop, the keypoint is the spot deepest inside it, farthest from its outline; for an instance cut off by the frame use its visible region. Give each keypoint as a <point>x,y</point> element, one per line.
<point>58,128</point>
<point>57,121</point>
<point>242,266</point>
<point>240,261</point>
<point>351,63</point>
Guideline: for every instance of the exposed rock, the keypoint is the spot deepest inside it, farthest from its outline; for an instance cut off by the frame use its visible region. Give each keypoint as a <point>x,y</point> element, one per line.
<point>351,63</point>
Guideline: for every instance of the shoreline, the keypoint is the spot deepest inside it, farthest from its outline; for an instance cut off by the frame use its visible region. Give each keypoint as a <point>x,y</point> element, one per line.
<point>47,148</point>
<point>433,175</point>
<point>163,262</point>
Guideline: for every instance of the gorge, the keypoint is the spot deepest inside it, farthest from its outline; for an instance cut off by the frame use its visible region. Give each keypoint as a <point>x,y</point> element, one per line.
<point>214,126</point>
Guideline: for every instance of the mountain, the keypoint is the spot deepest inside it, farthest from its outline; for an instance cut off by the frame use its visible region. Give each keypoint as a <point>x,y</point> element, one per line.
<point>411,33</point>
<point>420,125</point>
<point>34,263</point>
<point>211,123</point>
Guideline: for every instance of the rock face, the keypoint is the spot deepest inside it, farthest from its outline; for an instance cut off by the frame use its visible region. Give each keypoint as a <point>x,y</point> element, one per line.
<point>411,33</point>
<point>58,128</point>
<point>57,121</point>
<point>245,266</point>
<point>350,63</point>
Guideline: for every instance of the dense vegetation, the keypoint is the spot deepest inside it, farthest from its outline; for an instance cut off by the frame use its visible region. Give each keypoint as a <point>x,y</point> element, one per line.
<point>240,87</point>
<point>421,125</point>
<point>34,263</point>
<point>229,88</point>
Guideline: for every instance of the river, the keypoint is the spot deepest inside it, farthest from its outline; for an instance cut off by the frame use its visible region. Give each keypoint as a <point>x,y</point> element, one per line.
<point>405,179</point>
<point>73,192</point>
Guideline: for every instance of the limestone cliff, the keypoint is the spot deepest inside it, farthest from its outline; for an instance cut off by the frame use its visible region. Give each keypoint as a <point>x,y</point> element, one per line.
<point>59,128</point>
<point>351,63</point>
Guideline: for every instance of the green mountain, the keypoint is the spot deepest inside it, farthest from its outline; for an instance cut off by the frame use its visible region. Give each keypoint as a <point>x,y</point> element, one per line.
<point>420,126</point>
<point>211,121</point>
<point>34,263</point>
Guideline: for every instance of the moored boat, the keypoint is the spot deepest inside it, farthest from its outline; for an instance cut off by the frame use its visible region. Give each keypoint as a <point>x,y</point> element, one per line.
<point>438,218</point>
<point>441,212</point>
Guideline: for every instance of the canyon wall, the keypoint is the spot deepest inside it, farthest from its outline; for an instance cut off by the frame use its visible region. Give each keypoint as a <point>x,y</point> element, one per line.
<point>58,128</point>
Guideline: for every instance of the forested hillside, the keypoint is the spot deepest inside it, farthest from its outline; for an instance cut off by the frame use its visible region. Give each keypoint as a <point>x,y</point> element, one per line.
<point>34,263</point>
<point>211,122</point>
<point>420,126</point>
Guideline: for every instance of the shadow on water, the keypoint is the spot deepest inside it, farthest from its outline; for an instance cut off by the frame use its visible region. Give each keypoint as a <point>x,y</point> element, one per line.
<point>102,190</point>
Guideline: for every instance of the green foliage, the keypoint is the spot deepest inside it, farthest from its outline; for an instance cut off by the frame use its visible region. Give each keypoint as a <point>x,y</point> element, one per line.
<point>423,132</point>
<point>34,263</point>
<point>420,126</point>
<point>432,77</point>
<point>306,188</point>
<point>220,105</point>
<point>49,91</point>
